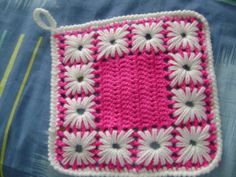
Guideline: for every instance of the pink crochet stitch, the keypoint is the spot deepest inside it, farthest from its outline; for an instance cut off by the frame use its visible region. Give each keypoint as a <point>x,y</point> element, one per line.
<point>136,95</point>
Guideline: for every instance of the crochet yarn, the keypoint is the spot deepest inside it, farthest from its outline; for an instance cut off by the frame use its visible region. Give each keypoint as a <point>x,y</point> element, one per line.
<point>134,96</point>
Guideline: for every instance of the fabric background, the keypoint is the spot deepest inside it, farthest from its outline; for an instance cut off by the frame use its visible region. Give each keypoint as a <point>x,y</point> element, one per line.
<point>26,143</point>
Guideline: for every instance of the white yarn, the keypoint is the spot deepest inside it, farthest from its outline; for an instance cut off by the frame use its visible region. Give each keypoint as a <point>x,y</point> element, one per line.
<point>112,41</point>
<point>197,151</point>
<point>161,154</point>
<point>177,30</point>
<point>78,48</point>
<point>145,31</point>
<point>86,117</point>
<point>189,104</point>
<point>38,19</point>
<point>182,74</point>
<point>79,78</point>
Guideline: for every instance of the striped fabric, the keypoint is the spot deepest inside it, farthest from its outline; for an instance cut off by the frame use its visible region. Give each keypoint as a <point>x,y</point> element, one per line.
<point>25,74</point>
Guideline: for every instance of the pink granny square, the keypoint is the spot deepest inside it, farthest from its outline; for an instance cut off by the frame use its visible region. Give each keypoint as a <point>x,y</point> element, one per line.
<point>134,96</point>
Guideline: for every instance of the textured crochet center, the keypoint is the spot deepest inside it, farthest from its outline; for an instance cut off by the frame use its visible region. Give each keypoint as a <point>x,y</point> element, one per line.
<point>136,96</point>
<point>133,92</point>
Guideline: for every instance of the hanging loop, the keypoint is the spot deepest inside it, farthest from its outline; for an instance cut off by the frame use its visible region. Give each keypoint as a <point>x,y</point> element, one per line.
<point>38,13</point>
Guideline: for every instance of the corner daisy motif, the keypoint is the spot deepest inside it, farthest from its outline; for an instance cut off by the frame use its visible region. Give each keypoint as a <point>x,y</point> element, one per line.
<point>77,148</point>
<point>133,96</point>
<point>183,34</point>
<point>78,48</point>
<point>194,145</point>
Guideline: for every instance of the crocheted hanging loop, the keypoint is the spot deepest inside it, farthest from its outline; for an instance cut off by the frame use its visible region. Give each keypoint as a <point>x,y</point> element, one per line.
<point>38,13</point>
<point>133,96</point>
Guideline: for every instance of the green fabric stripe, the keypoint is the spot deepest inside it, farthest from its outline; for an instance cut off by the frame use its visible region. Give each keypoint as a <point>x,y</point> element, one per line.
<point>11,64</point>
<point>15,105</point>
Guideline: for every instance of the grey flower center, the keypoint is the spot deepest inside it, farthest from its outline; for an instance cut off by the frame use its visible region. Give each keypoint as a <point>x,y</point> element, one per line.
<point>116,146</point>
<point>80,111</point>
<point>148,36</point>
<point>192,142</point>
<point>155,145</point>
<point>186,67</point>
<point>112,42</point>
<point>80,79</point>
<point>189,104</point>
<point>183,34</point>
<point>80,47</point>
<point>79,148</point>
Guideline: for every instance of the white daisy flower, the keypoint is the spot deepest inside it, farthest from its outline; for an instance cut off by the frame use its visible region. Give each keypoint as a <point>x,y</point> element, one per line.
<point>78,48</point>
<point>79,111</point>
<point>185,68</point>
<point>79,78</point>
<point>189,104</point>
<point>148,36</point>
<point>77,148</point>
<point>194,144</point>
<point>183,34</point>
<point>154,147</point>
<point>113,41</point>
<point>115,147</point>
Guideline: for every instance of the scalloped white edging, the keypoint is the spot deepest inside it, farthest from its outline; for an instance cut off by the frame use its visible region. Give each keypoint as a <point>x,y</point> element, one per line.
<point>144,173</point>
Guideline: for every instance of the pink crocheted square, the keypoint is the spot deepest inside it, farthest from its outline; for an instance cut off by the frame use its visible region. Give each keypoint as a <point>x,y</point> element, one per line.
<point>134,96</point>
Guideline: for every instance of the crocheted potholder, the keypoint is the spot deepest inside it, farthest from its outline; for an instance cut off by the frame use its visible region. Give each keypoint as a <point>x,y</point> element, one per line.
<point>133,96</point>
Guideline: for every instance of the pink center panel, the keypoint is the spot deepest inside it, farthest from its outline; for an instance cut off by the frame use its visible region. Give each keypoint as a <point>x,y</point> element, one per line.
<point>132,92</point>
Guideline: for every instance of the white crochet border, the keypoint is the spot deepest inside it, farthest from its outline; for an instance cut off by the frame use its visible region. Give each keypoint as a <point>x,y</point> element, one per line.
<point>126,173</point>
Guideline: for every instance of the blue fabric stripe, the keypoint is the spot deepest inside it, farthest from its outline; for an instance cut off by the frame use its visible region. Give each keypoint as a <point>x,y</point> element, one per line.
<point>3,36</point>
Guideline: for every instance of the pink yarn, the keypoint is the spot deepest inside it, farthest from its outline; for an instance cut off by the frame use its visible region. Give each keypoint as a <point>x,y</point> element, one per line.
<point>133,92</point>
